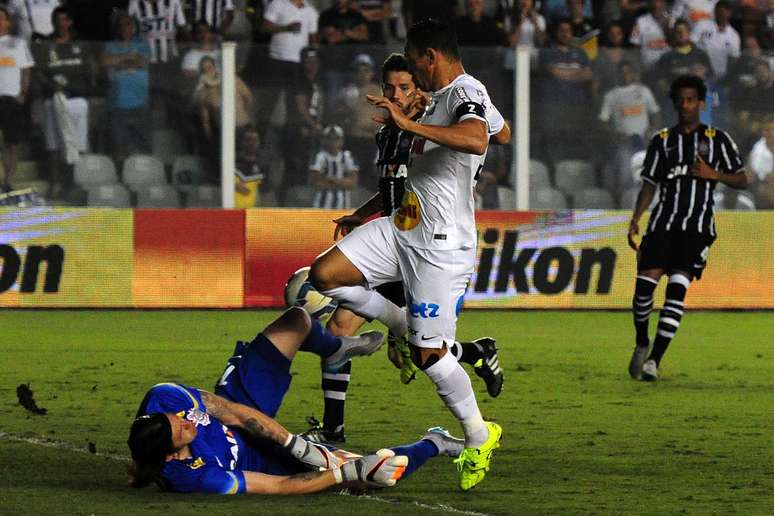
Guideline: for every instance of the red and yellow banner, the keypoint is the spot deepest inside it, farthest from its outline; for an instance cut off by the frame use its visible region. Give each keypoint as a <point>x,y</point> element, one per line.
<point>59,257</point>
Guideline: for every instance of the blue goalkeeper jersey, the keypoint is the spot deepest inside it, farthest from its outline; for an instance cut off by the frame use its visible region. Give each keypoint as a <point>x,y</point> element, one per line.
<point>219,453</point>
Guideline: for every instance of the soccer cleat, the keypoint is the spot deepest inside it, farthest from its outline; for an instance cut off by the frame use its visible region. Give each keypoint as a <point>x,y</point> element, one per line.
<point>473,463</point>
<point>318,434</point>
<point>446,443</point>
<point>364,344</point>
<point>650,371</point>
<point>409,370</point>
<point>488,367</point>
<point>638,359</point>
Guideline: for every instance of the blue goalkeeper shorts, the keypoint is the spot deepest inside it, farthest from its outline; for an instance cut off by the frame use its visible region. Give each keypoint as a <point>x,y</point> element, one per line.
<point>257,375</point>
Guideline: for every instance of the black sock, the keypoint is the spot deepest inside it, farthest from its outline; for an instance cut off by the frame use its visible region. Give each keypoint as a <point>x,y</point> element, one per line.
<point>642,306</point>
<point>467,352</point>
<point>334,385</point>
<point>671,315</point>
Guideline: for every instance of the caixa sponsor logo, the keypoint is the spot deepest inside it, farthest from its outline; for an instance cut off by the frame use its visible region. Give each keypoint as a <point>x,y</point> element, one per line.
<point>423,310</point>
<point>548,270</point>
<point>27,264</point>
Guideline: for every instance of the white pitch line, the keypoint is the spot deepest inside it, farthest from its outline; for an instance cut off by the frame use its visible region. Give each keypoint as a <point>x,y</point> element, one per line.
<point>60,445</point>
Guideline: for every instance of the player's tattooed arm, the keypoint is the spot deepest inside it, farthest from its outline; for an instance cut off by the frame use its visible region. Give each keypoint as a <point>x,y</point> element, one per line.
<point>255,422</point>
<point>302,483</point>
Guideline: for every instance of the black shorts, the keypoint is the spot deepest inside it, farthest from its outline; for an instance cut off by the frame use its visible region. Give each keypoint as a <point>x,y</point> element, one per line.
<point>13,120</point>
<point>675,251</point>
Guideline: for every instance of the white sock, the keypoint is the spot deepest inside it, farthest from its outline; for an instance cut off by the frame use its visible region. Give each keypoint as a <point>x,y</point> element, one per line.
<point>456,391</point>
<point>371,305</point>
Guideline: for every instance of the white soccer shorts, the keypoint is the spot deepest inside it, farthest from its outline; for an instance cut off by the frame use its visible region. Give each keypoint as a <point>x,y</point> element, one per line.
<point>434,281</point>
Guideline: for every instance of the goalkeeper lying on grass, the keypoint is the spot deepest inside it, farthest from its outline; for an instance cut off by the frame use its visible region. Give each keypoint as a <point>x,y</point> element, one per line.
<point>189,440</point>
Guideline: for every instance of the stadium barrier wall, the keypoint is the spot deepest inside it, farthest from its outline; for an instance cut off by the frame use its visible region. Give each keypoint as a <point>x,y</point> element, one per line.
<point>101,258</point>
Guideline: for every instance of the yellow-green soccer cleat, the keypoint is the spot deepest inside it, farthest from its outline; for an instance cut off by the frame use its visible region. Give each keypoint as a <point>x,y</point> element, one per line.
<point>473,463</point>
<point>408,370</point>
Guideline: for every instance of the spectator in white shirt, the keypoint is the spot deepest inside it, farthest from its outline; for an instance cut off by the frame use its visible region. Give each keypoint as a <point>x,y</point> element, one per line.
<point>15,71</point>
<point>650,33</point>
<point>207,45</point>
<point>293,26</point>
<point>632,111</point>
<point>32,18</point>
<point>762,165</point>
<point>718,38</point>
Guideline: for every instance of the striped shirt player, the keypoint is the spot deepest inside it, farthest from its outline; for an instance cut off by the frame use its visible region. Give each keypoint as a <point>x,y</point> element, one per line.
<point>684,163</point>
<point>214,12</point>
<point>393,156</point>
<point>339,166</point>
<point>686,202</point>
<point>159,21</point>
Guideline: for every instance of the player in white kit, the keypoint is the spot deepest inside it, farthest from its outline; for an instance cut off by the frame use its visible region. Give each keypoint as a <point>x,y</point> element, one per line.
<point>430,240</point>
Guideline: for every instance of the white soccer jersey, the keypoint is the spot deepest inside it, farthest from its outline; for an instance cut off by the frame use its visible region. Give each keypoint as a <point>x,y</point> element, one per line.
<point>159,20</point>
<point>211,11</point>
<point>338,166</point>
<point>33,16</point>
<point>649,36</point>
<point>437,211</point>
<point>719,44</point>
<point>14,57</point>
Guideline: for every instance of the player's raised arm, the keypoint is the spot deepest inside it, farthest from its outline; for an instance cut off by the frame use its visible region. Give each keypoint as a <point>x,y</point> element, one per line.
<point>469,135</point>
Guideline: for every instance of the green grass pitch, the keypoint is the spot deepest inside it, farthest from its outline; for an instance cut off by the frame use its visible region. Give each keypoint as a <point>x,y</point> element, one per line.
<point>579,435</point>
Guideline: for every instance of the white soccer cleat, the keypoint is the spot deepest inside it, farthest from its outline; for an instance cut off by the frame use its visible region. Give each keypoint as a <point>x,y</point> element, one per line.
<point>446,443</point>
<point>362,345</point>
<point>638,359</point>
<point>650,371</point>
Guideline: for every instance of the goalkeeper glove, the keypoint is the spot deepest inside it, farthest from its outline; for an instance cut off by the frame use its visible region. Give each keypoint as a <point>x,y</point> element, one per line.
<point>382,469</point>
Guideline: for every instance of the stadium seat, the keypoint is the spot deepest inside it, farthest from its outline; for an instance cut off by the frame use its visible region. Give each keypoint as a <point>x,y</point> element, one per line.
<point>158,196</point>
<point>166,144</point>
<point>114,196</point>
<point>203,196</point>
<point>142,169</point>
<point>506,198</point>
<point>299,197</point>
<point>188,169</point>
<point>27,170</point>
<point>547,199</point>
<point>94,169</point>
<point>593,199</point>
<point>539,176</point>
<point>573,175</point>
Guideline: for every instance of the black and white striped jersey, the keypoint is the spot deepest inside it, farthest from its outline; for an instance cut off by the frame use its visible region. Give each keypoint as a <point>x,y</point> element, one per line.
<point>338,166</point>
<point>159,21</point>
<point>211,11</point>
<point>393,156</point>
<point>685,202</point>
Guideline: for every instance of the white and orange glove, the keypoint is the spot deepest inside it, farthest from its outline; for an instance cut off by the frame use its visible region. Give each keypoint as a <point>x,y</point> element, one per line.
<point>382,469</point>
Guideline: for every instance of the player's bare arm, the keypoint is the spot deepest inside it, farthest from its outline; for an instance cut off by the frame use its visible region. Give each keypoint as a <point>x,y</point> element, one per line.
<point>644,199</point>
<point>503,137</point>
<point>302,483</point>
<point>740,180</point>
<point>347,223</point>
<point>256,423</point>
<point>468,136</point>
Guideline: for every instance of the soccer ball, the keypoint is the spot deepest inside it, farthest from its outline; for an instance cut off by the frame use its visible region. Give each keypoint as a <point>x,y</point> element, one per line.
<point>300,292</point>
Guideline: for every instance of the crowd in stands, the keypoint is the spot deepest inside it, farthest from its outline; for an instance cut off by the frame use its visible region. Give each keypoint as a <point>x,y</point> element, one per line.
<point>117,102</point>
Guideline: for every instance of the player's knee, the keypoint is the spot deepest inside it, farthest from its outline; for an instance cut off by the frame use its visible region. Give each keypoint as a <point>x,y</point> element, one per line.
<point>321,275</point>
<point>297,319</point>
<point>424,358</point>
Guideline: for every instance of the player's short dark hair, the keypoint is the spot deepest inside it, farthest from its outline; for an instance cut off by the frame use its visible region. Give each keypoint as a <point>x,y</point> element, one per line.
<point>681,21</point>
<point>150,441</point>
<point>435,34</point>
<point>724,4</point>
<point>394,63</point>
<point>688,81</point>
